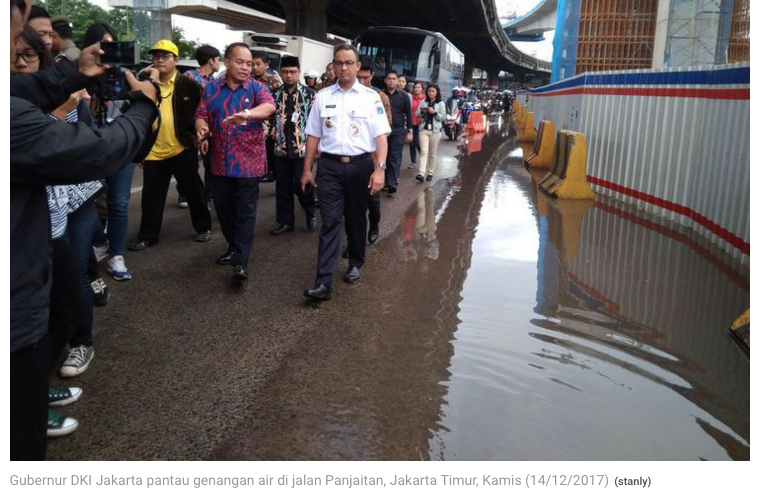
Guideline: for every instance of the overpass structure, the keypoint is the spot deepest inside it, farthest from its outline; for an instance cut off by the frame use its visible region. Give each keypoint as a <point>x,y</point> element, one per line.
<point>533,25</point>
<point>472,25</point>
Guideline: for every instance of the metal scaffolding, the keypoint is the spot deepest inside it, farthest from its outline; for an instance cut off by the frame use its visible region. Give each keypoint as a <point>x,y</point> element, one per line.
<point>616,34</point>
<point>739,34</point>
<point>698,32</point>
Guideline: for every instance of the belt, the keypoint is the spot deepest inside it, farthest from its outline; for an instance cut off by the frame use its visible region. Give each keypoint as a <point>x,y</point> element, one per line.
<point>347,159</point>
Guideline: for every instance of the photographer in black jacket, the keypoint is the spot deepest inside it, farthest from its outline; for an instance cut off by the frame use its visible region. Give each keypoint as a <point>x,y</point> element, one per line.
<point>46,151</point>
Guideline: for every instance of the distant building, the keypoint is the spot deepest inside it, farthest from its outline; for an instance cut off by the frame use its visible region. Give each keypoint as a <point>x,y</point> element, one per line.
<point>598,35</point>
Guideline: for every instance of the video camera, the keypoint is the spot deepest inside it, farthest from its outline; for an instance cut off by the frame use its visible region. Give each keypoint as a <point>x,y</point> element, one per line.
<point>123,57</point>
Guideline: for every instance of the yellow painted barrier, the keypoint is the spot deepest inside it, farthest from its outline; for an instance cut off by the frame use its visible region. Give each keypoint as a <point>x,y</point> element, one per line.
<point>528,133</point>
<point>740,329</point>
<point>567,178</point>
<point>543,147</point>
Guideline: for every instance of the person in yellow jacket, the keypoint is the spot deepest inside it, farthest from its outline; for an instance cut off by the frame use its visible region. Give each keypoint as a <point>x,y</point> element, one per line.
<point>174,152</point>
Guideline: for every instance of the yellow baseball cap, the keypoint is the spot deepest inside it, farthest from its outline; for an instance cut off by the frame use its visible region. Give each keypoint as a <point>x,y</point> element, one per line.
<point>165,45</point>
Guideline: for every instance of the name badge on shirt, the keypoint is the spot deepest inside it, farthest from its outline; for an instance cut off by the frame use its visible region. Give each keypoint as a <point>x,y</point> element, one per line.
<point>295,117</point>
<point>330,106</point>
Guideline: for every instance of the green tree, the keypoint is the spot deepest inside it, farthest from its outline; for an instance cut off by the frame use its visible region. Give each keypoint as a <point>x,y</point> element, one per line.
<point>187,47</point>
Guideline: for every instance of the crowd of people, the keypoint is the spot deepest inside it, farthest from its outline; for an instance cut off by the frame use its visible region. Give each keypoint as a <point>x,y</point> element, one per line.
<point>74,153</point>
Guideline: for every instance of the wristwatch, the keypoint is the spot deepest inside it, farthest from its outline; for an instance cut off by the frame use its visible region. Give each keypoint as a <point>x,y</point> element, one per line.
<point>381,165</point>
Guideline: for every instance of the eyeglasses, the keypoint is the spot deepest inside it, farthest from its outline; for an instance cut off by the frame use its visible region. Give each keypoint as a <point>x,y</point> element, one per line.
<point>161,56</point>
<point>289,72</point>
<point>29,56</point>
<point>343,64</point>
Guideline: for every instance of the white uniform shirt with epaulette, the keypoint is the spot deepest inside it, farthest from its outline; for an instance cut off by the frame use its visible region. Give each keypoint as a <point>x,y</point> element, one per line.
<point>347,122</point>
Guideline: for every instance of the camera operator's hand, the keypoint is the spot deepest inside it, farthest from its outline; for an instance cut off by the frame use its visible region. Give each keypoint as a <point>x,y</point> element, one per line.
<point>66,108</point>
<point>146,87</point>
<point>88,62</point>
<point>152,72</point>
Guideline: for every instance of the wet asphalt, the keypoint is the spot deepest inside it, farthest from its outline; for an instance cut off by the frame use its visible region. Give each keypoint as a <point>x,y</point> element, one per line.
<point>189,365</point>
<point>491,322</point>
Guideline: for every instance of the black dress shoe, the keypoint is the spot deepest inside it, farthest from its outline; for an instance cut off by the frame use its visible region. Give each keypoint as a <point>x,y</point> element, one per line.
<point>240,273</point>
<point>281,229</point>
<point>353,274</point>
<point>311,223</point>
<point>141,245</point>
<point>419,177</point>
<point>320,292</point>
<point>391,190</point>
<point>226,258</point>
<point>372,235</point>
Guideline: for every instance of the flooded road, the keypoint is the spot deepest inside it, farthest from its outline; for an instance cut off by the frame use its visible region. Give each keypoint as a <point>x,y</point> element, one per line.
<point>491,323</point>
<point>517,327</point>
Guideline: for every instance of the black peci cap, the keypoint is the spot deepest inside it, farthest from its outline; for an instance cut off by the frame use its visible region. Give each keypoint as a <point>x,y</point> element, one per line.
<point>289,61</point>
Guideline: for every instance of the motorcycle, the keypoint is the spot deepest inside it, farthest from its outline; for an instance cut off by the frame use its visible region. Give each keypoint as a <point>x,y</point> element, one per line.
<point>467,108</point>
<point>496,107</point>
<point>452,122</point>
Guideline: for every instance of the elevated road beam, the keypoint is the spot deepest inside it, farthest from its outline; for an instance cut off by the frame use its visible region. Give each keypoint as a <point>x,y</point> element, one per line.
<point>533,25</point>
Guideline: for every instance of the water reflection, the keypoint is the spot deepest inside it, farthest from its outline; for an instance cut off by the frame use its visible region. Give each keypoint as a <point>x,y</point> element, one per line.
<point>591,331</point>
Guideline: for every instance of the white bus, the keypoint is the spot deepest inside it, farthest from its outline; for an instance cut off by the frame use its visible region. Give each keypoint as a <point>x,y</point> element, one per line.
<point>420,55</point>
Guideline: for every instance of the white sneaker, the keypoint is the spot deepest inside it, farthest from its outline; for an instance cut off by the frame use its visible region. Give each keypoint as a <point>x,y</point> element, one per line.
<point>118,269</point>
<point>60,424</point>
<point>101,252</point>
<point>78,361</point>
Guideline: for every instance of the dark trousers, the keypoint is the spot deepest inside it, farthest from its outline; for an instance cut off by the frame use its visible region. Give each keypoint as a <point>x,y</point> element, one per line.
<point>84,225</point>
<point>395,148</point>
<point>30,378</point>
<point>415,144</point>
<point>156,177</point>
<point>206,159</point>
<point>66,299</point>
<point>343,193</point>
<point>373,207</point>
<point>235,201</point>
<point>287,182</point>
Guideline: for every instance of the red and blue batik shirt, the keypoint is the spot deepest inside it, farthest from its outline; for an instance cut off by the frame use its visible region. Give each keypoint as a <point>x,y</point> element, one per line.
<point>238,151</point>
<point>197,76</point>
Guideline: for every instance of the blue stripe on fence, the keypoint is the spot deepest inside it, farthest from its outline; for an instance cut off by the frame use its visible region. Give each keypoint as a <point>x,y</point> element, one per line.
<point>737,75</point>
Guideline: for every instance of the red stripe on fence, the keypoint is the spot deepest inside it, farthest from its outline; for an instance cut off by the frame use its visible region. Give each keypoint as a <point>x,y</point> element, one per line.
<point>704,93</point>
<point>714,228</point>
<point>724,267</point>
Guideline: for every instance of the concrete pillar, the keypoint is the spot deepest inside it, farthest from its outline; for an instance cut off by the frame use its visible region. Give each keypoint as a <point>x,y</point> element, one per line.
<point>493,81</point>
<point>661,33</point>
<point>306,18</point>
<point>161,25</point>
<point>467,76</point>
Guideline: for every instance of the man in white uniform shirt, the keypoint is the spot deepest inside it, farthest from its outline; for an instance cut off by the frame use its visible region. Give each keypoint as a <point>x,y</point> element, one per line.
<point>347,124</point>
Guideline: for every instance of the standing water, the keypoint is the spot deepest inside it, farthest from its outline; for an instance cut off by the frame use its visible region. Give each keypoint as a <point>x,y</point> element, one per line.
<point>591,331</point>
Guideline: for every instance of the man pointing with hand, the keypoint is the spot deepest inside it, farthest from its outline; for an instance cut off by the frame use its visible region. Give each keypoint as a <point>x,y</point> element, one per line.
<point>231,113</point>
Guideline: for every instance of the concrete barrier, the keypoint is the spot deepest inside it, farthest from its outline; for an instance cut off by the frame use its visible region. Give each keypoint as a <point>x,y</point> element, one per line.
<point>567,178</point>
<point>476,122</point>
<point>527,132</point>
<point>543,147</point>
<point>740,330</point>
